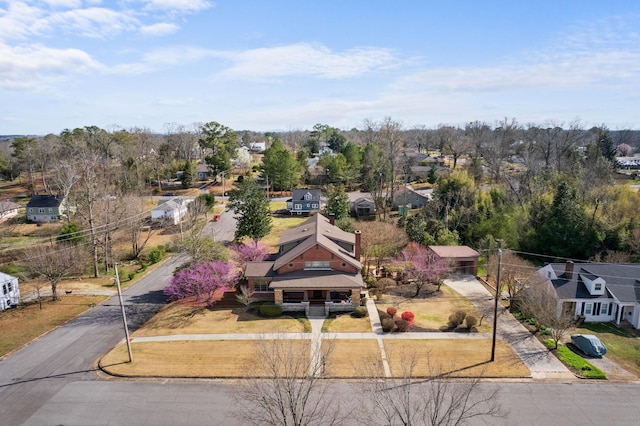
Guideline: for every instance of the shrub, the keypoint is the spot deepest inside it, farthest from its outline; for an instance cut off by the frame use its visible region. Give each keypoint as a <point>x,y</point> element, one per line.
<point>392,311</point>
<point>408,316</point>
<point>270,310</point>
<point>131,275</point>
<point>156,254</point>
<point>388,324</point>
<point>383,315</point>
<point>360,312</point>
<point>402,325</point>
<point>457,318</point>
<point>384,283</point>
<point>471,321</point>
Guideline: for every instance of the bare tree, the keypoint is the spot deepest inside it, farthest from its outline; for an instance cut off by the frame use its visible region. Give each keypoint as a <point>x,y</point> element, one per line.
<point>540,302</point>
<point>438,400</point>
<point>380,240</point>
<point>291,390</point>
<point>55,262</point>
<point>514,275</point>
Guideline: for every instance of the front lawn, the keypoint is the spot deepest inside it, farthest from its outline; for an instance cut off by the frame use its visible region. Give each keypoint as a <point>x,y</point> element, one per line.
<point>345,323</point>
<point>180,318</point>
<point>575,362</point>
<point>432,313</point>
<point>622,347</point>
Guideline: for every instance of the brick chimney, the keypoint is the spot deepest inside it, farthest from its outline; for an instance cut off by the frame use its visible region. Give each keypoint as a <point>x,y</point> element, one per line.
<point>357,245</point>
<point>332,218</point>
<point>568,270</point>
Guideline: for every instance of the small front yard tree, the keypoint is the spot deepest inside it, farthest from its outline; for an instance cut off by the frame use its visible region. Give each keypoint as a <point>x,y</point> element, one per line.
<point>540,302</point>
<point>203,282</point>
<point>243,253</point>
<point>514,275</point>
<point>421,266</point>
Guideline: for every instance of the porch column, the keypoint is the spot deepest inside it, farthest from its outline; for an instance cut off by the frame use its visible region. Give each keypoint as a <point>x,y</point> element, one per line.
<point>619,314</point>
<point>305,297</point>
<point>355,296</point>
<point>278,296</point>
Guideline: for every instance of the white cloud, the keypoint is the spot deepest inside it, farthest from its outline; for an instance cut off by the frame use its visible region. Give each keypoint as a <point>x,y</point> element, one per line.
<point>95,22</point>
<point>35,66</point>
<point>178,5</point>
<point>306,59</point>
<point>69,4</point>
<point>159,29</point>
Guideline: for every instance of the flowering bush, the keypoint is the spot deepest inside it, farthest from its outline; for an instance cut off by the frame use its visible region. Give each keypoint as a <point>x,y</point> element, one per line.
<point>408,316</point>
<point>392,311</point>
<point>205,282</point>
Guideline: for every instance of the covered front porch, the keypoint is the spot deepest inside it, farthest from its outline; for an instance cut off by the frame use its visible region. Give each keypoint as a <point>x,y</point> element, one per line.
<point>336,292</point>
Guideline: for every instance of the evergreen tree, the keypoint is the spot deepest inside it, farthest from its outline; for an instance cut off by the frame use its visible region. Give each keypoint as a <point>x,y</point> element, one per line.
<point>250,204</point>
<point>280,166</point>
<point>338,202</point>
<point>188,174</point>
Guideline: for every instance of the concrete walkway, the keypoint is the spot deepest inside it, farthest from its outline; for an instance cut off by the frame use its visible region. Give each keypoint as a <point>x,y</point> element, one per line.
<point>542,363</point>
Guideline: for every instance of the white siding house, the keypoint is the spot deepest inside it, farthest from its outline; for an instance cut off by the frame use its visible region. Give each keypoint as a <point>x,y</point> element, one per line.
<point>171,211</point>
<point>9,291</point>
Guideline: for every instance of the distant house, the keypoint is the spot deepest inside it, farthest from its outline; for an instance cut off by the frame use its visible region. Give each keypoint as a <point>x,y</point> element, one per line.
<point>203,171</point>
<point>325,150</point>
<point>170,211</point>
<point>596,292</point>
<point>258,146</point>
<point>304,201</point>
<point>460,259</point>
<point>405,195</point>
<point>363,207</point>
<point>317,264</point>
<point>46,208</point>
<point>8,209</point>
<point>9,291</point>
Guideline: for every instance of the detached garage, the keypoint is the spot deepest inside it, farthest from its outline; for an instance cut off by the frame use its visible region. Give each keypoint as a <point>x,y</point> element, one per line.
<point>460,259</point>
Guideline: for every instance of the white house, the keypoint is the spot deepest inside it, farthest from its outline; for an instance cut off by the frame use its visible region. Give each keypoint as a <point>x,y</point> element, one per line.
<point>171,211</point>
<point>258,146</point>
<point>9,291</point>
<point>597,292</point>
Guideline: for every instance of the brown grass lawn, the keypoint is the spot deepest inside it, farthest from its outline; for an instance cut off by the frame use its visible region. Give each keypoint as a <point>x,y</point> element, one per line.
<point>432,313</point>
<point>346,356</point>
<point>345,323</point>
<point>221,358</point>
<point>22,324</point>
<point>456,357</point>
<point>178,318</point>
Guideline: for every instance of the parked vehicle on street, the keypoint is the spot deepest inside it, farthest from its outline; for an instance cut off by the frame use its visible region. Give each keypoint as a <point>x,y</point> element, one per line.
<point>589,344</point>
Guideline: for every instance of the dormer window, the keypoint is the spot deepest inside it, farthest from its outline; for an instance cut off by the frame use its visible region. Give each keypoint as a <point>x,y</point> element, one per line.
<point>597,287</point>
<point>308,196</point>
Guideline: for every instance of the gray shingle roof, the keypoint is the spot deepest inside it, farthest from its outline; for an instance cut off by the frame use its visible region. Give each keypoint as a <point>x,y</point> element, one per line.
<point>622,280</point>
<point>47,200</point>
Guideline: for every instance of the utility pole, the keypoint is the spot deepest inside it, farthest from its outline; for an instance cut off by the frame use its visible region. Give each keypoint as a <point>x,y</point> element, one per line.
<point>124,315</point>
<point>495,307</point>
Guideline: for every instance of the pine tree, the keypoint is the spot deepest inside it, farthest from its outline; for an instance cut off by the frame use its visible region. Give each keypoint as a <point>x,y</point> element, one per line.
<point>250,203</point>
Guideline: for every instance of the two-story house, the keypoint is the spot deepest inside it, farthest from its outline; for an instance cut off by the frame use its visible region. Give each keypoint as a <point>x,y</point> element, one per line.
<point>9,291</point>
<point>46,208</point>
<point>596,292</point>
<point>304,201</point>
<point>317,264</point>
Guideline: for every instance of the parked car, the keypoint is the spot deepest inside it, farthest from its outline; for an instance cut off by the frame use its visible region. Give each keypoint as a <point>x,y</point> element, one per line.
<point>168,194</point>
<point>589,344</point>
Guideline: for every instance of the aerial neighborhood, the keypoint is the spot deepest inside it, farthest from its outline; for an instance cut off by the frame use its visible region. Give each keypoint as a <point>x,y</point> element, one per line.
<point>361,243</point>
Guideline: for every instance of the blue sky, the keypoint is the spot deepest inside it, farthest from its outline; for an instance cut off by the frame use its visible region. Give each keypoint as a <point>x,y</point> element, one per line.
<point>287,65</point>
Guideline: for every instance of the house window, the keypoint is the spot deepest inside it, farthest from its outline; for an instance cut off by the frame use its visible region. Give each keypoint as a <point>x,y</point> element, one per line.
<point>597,287</point>
<point>588,308</point>
<point>4,289</point>
<point>261,285</point>
<point>314,205</point>
<point>41,210</point>
<point>317,264</point>
<point>30,210</point>
<point>297,206</point>
<point>603,309</point>
<point>50,210</point>
<point>9,287</point>
<point>308,196</point>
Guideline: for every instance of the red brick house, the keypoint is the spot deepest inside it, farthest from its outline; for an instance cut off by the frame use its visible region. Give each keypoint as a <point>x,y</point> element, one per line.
<point>317,264</point>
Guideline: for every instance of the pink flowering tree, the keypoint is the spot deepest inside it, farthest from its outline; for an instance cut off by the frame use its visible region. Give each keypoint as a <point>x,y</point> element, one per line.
<point>254,251</point>
<point>421,266</point>
<point>204,282</point>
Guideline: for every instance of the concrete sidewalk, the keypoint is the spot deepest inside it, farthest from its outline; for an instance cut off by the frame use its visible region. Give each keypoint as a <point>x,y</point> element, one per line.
<point>542,363</point>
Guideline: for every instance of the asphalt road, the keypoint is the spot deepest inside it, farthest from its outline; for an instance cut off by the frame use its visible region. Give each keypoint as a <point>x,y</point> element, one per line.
<point>212,403</point>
